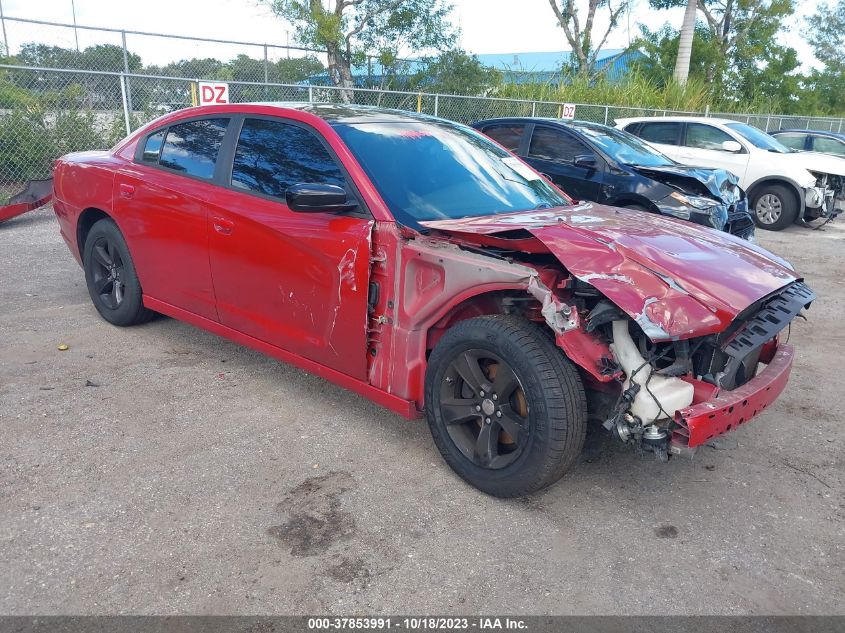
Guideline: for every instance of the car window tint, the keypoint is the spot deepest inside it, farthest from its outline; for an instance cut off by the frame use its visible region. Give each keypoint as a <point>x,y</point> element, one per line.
<point>508,136</point>
<point>794,141</point>
<point>702,136</point>
<point>153,146</point>
<point>271,156</point>
<point>192,147</point>
<point>659,132</point>
<point>549,144</point>
<point>827,145</point>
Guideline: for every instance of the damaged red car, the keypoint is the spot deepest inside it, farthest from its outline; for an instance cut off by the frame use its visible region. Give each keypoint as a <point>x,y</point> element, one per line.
<point>419,264</point>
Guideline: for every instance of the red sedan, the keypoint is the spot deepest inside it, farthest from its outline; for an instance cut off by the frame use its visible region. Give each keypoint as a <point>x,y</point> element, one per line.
<point>416,262</point>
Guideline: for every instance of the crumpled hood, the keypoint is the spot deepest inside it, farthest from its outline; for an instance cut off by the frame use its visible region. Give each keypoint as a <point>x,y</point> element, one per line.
<point>720,183</point>
<point>676,279</point>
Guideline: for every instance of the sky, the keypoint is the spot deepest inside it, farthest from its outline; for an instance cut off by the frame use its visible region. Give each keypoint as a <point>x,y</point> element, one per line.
<point>487,26</point>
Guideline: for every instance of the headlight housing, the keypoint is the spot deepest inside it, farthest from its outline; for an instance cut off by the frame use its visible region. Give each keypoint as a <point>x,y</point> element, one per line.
<point>696,202</point>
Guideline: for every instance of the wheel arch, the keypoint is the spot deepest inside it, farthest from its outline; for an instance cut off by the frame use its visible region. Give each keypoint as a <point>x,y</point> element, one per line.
<point>622,200</point>
<point>793,186</point>
<point>87,219</point>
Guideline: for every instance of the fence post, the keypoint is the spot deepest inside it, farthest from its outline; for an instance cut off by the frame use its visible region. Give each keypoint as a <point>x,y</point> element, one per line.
<point>125,103</point>
<point>840,125</point>
<point>707,110</point>
<point>266,73</point>
<point>533,109</point>
<point>768,120</point>
<point>436,103</point>
<point>310,94</point>
<point>5,39</point>
<point>606,114</point>
<point>126,68</point>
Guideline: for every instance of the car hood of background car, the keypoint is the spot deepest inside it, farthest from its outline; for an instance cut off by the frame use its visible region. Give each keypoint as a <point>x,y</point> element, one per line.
<point>675,279</point>
<point>718,183</point>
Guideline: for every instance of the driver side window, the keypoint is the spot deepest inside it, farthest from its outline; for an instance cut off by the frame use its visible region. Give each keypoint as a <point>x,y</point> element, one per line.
<point>272,156</point>
<point>701,136</point>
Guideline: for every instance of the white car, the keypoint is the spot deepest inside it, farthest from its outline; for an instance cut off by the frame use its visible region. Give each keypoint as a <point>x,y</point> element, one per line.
<point>783,186</point>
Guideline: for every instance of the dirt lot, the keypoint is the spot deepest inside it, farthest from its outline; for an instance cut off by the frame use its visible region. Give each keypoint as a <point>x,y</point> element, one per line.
<point>160,469</point>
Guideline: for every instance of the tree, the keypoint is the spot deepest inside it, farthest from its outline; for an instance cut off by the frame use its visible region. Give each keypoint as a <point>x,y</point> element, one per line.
<point>584,51</point>
<point>660,50</point>
<point>349,30</point>
<point>685,43</point>
<point>827,37</point>
<point>455,72</point>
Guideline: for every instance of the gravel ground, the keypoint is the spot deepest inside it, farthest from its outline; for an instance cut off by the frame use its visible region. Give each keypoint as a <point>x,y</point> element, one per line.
<point>161,470</point>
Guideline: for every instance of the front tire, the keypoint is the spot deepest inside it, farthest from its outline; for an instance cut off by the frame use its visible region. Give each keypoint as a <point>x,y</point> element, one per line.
<point>774,207</point>
<point>110,275</point>
<point>505,407</point>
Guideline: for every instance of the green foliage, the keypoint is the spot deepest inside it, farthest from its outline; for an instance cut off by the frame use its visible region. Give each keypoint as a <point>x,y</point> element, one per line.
<point>455,72</point>
<point>351,31</point>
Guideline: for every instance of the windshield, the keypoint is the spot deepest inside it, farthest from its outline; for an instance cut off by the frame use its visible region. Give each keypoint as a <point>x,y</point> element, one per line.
<point>624,147</point>
<point>438,171</point>
<point>758,138</point>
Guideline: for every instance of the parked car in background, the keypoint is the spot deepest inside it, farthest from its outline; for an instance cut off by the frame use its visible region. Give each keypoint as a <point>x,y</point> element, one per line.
<point>812,141</point>
<point>782,187</point>
<point>419,264</point>
<point>595,162</point>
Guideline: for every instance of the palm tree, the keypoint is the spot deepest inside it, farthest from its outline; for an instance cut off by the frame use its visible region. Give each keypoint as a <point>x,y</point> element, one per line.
<point>685,43</point>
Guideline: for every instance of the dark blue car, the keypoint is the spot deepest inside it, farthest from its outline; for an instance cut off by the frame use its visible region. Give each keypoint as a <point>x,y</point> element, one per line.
<point>605,165</point>
<point>812,141</point>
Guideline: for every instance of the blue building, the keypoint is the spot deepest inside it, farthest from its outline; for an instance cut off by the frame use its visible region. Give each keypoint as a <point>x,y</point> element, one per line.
<point>515,67</point>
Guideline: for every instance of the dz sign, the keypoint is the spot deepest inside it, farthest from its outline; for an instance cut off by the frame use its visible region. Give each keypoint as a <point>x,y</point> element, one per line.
<point>213,93</point>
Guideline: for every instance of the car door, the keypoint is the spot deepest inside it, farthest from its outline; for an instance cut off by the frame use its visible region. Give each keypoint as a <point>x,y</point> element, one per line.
<point>295,280</point>
<point>566,160</point>
<point>702,147</point>
<point>665,136</point>
<point>161,206</point>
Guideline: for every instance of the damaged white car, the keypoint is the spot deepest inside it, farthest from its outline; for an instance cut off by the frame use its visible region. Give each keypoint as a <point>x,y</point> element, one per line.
<point>783,187</point>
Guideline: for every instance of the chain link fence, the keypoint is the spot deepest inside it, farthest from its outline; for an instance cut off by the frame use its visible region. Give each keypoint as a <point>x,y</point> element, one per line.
<point>83,88</point>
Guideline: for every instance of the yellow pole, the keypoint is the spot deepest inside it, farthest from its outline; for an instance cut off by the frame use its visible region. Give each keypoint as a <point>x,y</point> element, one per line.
<point>194,94</point>
<point>559,111</point>
<point>419,102</point>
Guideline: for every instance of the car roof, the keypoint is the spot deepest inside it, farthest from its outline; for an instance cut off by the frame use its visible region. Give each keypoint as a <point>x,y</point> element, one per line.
<point>837,135</point>
<point>677,119</point>
<point>548,120</point>
<point>340,113</point>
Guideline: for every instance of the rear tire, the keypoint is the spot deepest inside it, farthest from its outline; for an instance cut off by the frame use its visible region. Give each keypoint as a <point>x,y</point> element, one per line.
<point>110,275</point>
<point>505,407</point>
<point>774,207</point>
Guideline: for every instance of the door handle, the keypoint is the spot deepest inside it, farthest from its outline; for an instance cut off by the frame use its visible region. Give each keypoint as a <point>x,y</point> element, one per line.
<point>222,225</point>
<point>126,191</point>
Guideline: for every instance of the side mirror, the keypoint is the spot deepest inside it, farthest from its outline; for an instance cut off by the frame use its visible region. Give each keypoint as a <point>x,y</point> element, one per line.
<point>318,198</point>
<point>587,161</point>
<point>731,146</point>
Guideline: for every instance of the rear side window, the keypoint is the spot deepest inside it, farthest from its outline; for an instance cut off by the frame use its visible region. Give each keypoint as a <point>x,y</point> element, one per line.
<point>664,132</point>
<point>153,146</point>
<point>549,144</point>
<point>271,156</point>
<point>703,136</point>
<point>508,136</point>
<point>192,147</point>
<point>827,145</point>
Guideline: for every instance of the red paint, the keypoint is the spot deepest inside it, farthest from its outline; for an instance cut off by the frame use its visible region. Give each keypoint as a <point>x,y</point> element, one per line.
<point>726,410</point>
<point>295,285</point>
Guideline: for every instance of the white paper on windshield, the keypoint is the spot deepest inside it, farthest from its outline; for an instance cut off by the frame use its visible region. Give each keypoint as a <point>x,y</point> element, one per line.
<point>521,168</point>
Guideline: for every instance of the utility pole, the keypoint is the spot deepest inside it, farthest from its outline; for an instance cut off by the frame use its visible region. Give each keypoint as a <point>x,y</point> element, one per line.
<point>75,33</point>
<point>5,39</point>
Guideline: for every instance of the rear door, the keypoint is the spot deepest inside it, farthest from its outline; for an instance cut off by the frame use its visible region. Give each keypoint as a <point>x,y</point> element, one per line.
<point>553,151</point>
<point>298,281</point>
<point>161,203</point>
<point>827,145</point>
<point>702,147</point>
<point>663,135</point>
